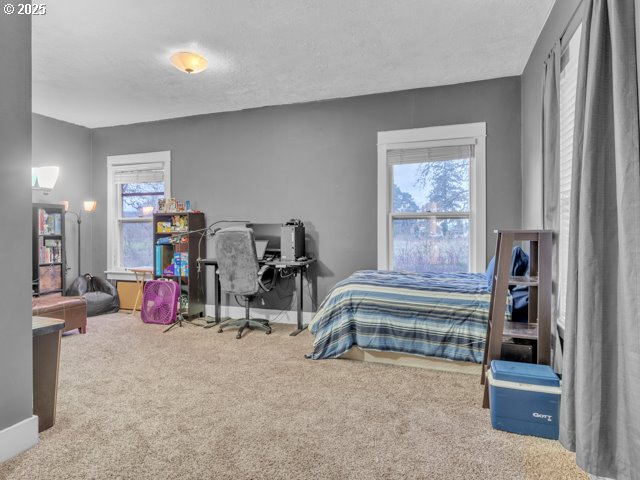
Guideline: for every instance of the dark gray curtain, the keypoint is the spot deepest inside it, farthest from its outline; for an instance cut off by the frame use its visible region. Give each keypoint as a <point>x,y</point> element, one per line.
<point>600,417</point>
<point>551,175</point>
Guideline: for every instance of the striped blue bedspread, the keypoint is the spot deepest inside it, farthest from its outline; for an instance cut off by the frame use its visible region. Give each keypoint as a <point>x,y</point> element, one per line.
<point>441,315</point>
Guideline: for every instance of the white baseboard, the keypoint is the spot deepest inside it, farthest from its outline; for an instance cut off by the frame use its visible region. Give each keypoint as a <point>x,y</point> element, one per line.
<point>277,316</point>
<point>18,438</point>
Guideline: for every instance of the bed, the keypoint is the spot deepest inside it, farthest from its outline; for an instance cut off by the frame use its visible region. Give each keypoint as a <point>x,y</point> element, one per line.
<point>437,315</point>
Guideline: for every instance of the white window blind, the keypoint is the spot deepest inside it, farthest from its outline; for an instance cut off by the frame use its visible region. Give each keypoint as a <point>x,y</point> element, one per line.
<point>149,173</point>
<point>568,83</point>
<point>429,154</point>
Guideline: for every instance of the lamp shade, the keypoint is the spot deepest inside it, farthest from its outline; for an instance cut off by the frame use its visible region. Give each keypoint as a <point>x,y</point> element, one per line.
<point>47,177</point>
<point>89,205</point>
<point>188,62</point>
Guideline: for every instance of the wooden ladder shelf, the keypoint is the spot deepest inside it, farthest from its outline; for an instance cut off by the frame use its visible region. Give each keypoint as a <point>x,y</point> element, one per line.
<point>538,327</point>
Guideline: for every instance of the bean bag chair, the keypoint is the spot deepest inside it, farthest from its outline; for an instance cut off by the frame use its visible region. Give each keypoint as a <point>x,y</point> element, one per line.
<point>101,296</point>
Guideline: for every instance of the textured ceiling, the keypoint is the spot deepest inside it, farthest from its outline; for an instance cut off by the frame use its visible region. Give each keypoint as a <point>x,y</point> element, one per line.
<point>101,63</point>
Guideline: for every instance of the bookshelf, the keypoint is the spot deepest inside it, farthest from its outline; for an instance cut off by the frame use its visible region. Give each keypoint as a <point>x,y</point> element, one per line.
<point>49,260</point>
<point>175,256</point>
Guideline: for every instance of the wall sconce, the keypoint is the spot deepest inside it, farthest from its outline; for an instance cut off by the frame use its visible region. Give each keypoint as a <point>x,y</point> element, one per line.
<point>44,178</point>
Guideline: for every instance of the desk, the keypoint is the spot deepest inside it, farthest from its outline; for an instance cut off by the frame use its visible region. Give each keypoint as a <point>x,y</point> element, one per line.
<point>140,274</point>
<point>297,266</point>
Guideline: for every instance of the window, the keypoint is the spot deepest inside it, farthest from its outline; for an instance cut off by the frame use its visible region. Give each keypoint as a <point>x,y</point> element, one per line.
<point>568,83</point>
<point>135,183</point>
<point>431,199</point>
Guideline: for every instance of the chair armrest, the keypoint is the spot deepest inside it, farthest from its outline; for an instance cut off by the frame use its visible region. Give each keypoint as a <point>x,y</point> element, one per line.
<point>266,286</point>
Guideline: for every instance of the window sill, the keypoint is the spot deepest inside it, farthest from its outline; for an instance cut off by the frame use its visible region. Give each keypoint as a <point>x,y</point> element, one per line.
<point>120,275</point>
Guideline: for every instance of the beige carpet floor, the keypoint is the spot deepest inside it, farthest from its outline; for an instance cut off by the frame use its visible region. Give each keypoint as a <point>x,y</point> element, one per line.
<point>134,403</point>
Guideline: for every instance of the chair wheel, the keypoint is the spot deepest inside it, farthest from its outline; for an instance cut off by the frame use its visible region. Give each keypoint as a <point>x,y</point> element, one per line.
<point>268,332</point>
<point>239,336</point>
<point>220,330</point>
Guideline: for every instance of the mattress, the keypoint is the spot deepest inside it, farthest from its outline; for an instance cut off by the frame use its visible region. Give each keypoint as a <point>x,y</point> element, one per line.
<point>440,315</point>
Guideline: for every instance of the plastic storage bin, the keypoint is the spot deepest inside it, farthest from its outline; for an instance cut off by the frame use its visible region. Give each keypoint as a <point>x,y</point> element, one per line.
<point>524,398</point>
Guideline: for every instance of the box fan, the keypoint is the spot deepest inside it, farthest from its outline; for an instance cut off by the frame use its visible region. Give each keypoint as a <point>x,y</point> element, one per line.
<point>160,302</point>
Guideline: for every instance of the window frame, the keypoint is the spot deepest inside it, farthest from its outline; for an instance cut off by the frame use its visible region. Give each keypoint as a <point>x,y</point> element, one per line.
<point>118,163</point>
<point>463,134</point>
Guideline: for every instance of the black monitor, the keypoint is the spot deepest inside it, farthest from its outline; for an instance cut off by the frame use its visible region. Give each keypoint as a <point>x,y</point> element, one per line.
<point>267,231</point>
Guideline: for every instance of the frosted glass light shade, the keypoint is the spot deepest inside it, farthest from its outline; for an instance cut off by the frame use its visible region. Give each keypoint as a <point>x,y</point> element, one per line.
<point>47,177</point>
<point>89,205</point>
<point>188,62</point>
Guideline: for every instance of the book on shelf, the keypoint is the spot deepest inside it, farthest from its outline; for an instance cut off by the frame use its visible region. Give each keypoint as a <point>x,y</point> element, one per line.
<point>170,263</point>
<point>181,264</point>
<point>164,257</point>
<point>50,251</point>
<point>49,223</point>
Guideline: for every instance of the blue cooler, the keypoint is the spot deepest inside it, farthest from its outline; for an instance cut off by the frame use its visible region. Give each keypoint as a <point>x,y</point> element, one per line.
<point>524,398</point>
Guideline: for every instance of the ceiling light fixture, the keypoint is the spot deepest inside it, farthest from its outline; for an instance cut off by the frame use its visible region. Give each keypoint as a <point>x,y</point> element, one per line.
<point>188,62</point>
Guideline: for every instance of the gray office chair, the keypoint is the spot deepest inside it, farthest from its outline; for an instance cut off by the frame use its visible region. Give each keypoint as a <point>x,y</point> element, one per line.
<point>240,274</point>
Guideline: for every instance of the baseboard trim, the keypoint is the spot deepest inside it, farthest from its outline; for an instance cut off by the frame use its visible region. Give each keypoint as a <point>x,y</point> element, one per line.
<point>286,316</point>
<point>18,438</point>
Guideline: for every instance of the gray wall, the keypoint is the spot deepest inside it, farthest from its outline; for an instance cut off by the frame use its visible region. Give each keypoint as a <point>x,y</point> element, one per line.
<point>532,112</point>
<point>317,162</point>
<point>15,218</point>
<point>69,147</point>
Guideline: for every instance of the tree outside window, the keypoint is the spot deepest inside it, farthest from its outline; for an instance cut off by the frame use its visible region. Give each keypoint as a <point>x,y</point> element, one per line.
<point>430,216</point>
